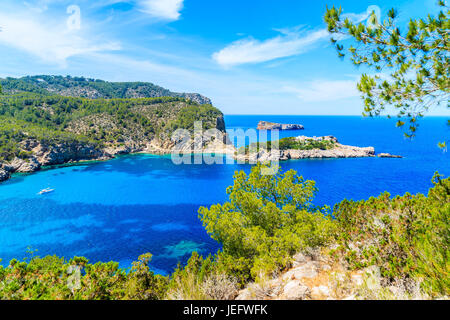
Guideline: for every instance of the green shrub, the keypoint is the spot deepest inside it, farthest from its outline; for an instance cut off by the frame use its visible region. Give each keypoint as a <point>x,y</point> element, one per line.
<point>289,143</point>
<point>267,219</point>
<point>407,236</point>
<point>52,277</point>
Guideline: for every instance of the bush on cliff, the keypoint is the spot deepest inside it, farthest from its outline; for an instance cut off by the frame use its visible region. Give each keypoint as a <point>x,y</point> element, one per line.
<point>407,236</point>
<point>267,219</point>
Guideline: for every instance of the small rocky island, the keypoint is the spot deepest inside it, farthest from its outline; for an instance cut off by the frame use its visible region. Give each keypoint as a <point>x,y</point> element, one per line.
<point>303,147</point>
<point>265,125</point>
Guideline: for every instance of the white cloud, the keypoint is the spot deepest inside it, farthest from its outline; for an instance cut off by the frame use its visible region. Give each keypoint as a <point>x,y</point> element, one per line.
<point>40,6</point>
<point>51,42</point>
<point>162,9</point>
<point>168,10</point>
<point>291,42</point>
<point>251,50</point>
<point>324,90</point>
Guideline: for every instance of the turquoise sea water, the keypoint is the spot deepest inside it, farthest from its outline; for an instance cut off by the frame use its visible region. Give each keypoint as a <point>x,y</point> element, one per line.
<point>119,209</point>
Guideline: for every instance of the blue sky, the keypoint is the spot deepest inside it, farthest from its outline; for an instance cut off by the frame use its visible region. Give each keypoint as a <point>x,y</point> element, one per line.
<point>249,57</point>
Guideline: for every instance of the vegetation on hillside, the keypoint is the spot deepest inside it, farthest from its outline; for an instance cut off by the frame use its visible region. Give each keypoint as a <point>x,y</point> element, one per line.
<point>92,88</point>
<point>266,220</point>
<point>54,118</point>
<point>408,236</point>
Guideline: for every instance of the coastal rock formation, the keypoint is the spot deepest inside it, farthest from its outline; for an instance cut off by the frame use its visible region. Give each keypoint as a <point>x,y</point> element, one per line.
<point>295,290</point>
<point>308,278</point>
<point>43,154</point>
<point>313,275</point>
<point>195,97</point>
<point>68,152</point>
<point>85,128</point>
<point>4,175</point>
<point>25,165</point>
<point>388,155</point>
<point>46,155</point>
<point>336,151</point>
<point>212,141</point>
<point>340,151</point>
<point>265,125</point>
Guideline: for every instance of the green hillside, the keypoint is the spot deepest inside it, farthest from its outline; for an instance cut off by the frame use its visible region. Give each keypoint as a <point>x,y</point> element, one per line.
<point>92,88</point>
<point>30,111</point>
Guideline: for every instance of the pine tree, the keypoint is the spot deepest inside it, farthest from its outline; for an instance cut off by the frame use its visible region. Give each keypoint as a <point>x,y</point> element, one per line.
<point>411,67</point>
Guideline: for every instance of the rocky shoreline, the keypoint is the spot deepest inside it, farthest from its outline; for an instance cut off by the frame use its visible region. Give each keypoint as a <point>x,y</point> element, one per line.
<point>78,152</point>
<point>47,155</point>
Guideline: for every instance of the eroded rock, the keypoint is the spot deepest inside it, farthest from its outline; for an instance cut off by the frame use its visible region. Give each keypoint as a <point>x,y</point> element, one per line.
<point>27,165</point>
<point>320,292</point>
<point>388,155</point>
<point>4,175</point>
<point>295,290</point>
<point>305,270</point>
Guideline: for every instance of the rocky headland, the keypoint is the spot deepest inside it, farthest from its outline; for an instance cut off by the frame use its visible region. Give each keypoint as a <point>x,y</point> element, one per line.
<point>43,154</point>
<point>303,147</point>
<point>265,125</point>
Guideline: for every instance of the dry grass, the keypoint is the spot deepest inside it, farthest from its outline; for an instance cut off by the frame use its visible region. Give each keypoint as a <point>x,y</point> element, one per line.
<point>214,287</point>
<point>220,287</point>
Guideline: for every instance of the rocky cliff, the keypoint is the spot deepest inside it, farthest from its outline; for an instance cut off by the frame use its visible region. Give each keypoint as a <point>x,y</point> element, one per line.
<point>44,154</point>
<point>304,147</point>
<point>39,127</point>
<point>4,175</point>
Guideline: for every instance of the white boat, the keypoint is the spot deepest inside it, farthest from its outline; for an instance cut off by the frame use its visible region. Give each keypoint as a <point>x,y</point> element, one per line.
<point>46,190</point>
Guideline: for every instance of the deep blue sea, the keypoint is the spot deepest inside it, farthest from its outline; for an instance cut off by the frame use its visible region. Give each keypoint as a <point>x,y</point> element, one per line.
<point>120,209</point>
